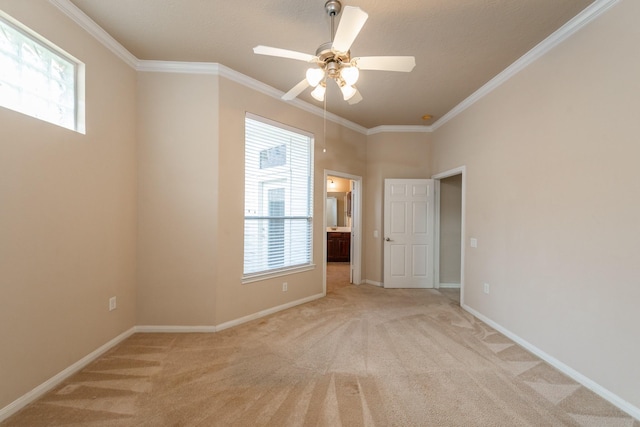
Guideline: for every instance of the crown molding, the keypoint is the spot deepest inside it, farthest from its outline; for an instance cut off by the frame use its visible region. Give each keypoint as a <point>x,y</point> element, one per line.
<point>89,25</point>
<point>589,14</point>
<point>251,83</point>
<point>177,67</point>
<point>399,129</point>
<point>110,43</point>
<point>264,88</point>
<point>303,105</point>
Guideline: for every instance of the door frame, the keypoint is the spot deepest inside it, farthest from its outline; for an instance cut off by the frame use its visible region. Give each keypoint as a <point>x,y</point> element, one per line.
<point>461,170</point>
<point>356,220</point>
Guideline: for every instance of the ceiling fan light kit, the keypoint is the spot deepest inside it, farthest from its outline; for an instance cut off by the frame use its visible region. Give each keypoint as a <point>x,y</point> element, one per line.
<point>314,76</point>
<point>350,75</point>
<point>333,59</point>
<point>318,92</point>
<point>347,91</point>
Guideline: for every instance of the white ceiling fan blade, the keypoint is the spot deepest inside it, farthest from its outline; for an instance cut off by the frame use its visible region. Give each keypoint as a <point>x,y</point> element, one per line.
<point>283,53</point>
<point>351,22</point>
<point>355,98</point>
<point>386,63</point>
<point>296,90</point>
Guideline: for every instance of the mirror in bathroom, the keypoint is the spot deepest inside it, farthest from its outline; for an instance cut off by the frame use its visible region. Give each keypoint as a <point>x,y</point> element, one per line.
<point>340,209</point>
<point>332,212</point>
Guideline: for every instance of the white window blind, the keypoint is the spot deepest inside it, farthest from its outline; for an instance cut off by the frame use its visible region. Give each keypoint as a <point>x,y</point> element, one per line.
<point>278,201</point>
<point>35,79</point>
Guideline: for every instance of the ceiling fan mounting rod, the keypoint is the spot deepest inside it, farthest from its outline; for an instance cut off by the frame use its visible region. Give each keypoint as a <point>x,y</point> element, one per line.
<point>328,59</point>
<point>333,8</point>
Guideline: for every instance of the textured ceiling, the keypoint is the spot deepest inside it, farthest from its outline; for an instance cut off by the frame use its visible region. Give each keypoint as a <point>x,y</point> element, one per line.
<point>459,45</point>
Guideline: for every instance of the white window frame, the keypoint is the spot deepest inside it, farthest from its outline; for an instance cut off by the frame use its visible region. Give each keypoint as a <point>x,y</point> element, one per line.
<point>277,174</point>
<point>27,89</point>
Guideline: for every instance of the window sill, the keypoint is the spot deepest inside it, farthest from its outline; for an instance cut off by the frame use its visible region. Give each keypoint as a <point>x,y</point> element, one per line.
<point>271,274</point>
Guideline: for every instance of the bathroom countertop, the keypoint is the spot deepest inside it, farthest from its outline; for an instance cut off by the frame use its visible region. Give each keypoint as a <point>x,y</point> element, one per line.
<point>339,229</point>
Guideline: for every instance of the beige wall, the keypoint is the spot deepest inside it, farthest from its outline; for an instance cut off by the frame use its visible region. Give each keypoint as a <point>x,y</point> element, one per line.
<point>553,199</point>
<point>389,155</point>
<point>178,204</point>
<point>191,204</point>
<point>450,229</point>
<point>341,185</point>
<point>68,217</point>
<point>551,196</point>
<point>345,153</point>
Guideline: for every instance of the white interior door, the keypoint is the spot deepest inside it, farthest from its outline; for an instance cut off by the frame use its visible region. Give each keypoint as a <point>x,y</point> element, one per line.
<point>408,233</point>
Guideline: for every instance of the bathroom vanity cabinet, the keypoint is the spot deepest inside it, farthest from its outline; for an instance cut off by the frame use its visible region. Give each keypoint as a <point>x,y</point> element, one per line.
<point>338,247</point>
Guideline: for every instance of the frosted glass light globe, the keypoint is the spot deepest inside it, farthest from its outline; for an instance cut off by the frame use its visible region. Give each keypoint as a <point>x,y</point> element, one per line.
<point>318,92</point>
<point>350,75</point>
<point>314,76</point>
<point>348,92</point>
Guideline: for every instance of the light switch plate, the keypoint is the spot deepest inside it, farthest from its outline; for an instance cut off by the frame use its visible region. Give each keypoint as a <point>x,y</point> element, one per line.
<point>474,242</point>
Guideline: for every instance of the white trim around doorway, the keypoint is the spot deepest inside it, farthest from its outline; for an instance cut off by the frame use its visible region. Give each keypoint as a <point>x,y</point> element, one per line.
<point>462,170</point>
<point>356,227</point>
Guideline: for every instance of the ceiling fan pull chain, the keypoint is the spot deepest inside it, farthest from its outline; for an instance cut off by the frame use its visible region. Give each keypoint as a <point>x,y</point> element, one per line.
<point>324,127</point>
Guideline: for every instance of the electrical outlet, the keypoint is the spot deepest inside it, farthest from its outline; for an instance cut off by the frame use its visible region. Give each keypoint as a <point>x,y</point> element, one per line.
<point>284,287</point>
<point>112,303</point>
<point>486,288</point>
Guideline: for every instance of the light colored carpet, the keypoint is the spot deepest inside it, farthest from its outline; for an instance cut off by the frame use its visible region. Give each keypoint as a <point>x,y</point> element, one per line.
<point>362,356</point>
<point>337,276</point>
<point>451,293</point>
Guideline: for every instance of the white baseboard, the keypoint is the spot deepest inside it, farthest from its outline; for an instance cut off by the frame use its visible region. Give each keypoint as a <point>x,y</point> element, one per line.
<point>442,285</point>
<point>449,286</point>
<point>48,385</point>
<point>52,382</point>
<point>374,283</point>
<point>567,370</point>
<point>267,312</point>
<point>175,329</point>
<point>225,325</point>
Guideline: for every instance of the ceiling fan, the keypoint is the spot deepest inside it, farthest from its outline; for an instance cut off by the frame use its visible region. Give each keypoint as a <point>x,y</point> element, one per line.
<point>333,59</point>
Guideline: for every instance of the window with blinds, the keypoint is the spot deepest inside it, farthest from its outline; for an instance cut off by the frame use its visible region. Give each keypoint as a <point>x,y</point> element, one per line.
<point>278,200</point>
<point>36,79</point>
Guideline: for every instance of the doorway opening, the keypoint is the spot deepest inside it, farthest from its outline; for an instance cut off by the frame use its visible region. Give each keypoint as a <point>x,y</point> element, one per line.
<point>342,237</point>
<point>450,233</point>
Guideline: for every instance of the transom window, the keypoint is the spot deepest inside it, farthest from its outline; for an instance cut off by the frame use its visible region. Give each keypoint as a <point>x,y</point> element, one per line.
<point>278,202</point>
<point>36,78</point>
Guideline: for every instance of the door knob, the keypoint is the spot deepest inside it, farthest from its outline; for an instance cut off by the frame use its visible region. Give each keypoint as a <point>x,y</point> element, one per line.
<point>388,240</point>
